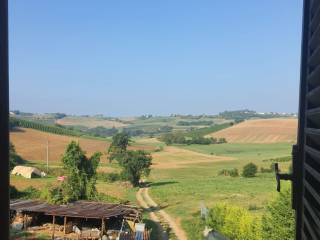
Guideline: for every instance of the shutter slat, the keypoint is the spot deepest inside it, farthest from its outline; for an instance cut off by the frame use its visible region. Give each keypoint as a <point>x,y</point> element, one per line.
<point>313,172</point>
<point>314,77</point>
<point>312,213</point>
<point>310,229</point>
<point>312,191</point>
<point>314,59</point>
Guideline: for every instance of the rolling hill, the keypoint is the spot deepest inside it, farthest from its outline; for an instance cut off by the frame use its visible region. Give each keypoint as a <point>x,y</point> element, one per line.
<point>31,145</point>
<point>261,131</point>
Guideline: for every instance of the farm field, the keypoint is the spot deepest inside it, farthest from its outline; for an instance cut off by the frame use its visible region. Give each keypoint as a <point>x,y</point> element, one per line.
<point>90,122</point>
<point>31,145</point>
<point>261,131</point>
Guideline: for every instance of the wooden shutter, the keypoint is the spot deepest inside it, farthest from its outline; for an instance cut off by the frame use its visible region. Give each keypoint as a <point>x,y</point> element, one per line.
<point>306,165</point>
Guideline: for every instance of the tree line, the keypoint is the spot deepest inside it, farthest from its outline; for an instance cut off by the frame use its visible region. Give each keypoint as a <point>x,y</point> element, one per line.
<point>180,138</point>
<point>15,122</point>
<point>194,123</point>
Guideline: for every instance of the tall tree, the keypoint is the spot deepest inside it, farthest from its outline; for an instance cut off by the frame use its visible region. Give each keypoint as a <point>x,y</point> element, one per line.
<point>135,164</point>
<point>119,145</point>
<point>82,171</point>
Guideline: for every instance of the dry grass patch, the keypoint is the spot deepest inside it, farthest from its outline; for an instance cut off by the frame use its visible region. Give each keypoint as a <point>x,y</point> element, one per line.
<point>261,131</point>
<point>174,157</point>
<point>89,122</point>
<point>31,144</point>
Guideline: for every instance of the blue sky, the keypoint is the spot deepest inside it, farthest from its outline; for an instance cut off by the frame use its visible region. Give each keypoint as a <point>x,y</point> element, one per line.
<point>125,58</point>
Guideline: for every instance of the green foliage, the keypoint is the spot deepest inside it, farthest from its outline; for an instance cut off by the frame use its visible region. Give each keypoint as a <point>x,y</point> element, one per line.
<point>14,158</point>
<point>119,145</point>
<point>81,175</point>
<point>249,170</point>
<point>278,223</point>
<point>194,123</point>
<point>279,159</point>
<point>234,222</point>
<point>179,138</point>
<point>207,130</point>
<point>241,115</point>
<point>28,193</point>
<point>102,131</point>
<point>14,193</point>
<point>135,164</point>
<point>112,177</point>
<point>229,172</point>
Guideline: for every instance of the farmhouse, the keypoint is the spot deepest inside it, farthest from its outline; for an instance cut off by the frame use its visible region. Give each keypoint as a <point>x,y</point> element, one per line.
<point>79,220</point>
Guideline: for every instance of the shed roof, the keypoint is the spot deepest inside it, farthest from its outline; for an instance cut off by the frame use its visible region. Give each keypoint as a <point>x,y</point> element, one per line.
<point>78,209</point>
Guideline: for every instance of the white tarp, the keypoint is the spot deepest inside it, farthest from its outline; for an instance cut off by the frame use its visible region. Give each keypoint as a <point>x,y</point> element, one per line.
<point>27,172</point>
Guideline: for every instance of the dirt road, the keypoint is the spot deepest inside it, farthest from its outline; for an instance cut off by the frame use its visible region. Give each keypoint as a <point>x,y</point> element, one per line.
<point>147,202</point>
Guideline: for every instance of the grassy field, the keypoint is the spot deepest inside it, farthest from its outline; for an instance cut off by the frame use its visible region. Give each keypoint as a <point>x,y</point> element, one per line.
<point>261,131</point>
<point>182,189</point>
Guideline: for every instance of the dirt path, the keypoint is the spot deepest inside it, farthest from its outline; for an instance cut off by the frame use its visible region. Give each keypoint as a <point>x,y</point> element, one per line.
<point>147,202</point>
<point>153,216</point>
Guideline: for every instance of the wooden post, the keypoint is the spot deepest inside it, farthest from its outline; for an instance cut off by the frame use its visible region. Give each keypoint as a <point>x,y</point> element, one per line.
<point>53,227</point>
<point>102,227</point>
<point>25,222</point>
<point>64,225</point>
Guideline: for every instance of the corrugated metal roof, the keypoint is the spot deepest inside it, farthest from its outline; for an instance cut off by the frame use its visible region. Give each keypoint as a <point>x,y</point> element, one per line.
<point>78,209</point>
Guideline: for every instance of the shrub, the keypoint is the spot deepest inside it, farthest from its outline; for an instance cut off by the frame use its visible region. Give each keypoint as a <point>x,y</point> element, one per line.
<point>266,170</point>
<point>234,172</point>
<point>14,193</point>
<point>234,222</point>
<point>229,172</point>
<point>112,177</point>
<point>278,223</point>
<point>249,170</point>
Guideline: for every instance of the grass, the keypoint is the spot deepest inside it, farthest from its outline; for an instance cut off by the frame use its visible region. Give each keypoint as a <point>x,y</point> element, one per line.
<point>244,151</point>
<point>181,190</point>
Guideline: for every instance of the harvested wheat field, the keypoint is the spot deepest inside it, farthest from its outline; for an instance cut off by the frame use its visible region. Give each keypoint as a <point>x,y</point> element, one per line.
<point>32,144</point>
<point>261,131</point>
<point>174,157</point>
<point>89,122</point>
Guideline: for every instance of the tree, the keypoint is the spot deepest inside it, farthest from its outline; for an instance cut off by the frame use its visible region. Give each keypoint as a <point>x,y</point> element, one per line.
<point>278,223</point>
<point>249,170</point>
<point>14,158</point>
<point>135,164</point>
<point>81,174</point>
<point>119,145</point>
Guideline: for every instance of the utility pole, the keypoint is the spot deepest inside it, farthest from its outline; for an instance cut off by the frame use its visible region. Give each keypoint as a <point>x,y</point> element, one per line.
<point>47,156</point>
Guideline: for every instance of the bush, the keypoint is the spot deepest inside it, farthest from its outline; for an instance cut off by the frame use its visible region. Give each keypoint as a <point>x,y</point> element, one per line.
<point>14,193</point>
<point>249,170</point>
<point>112,177</point>
<point>234,222</point>
<point>229,172</point>
<point>278,223</point>
<point>266,170</point>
